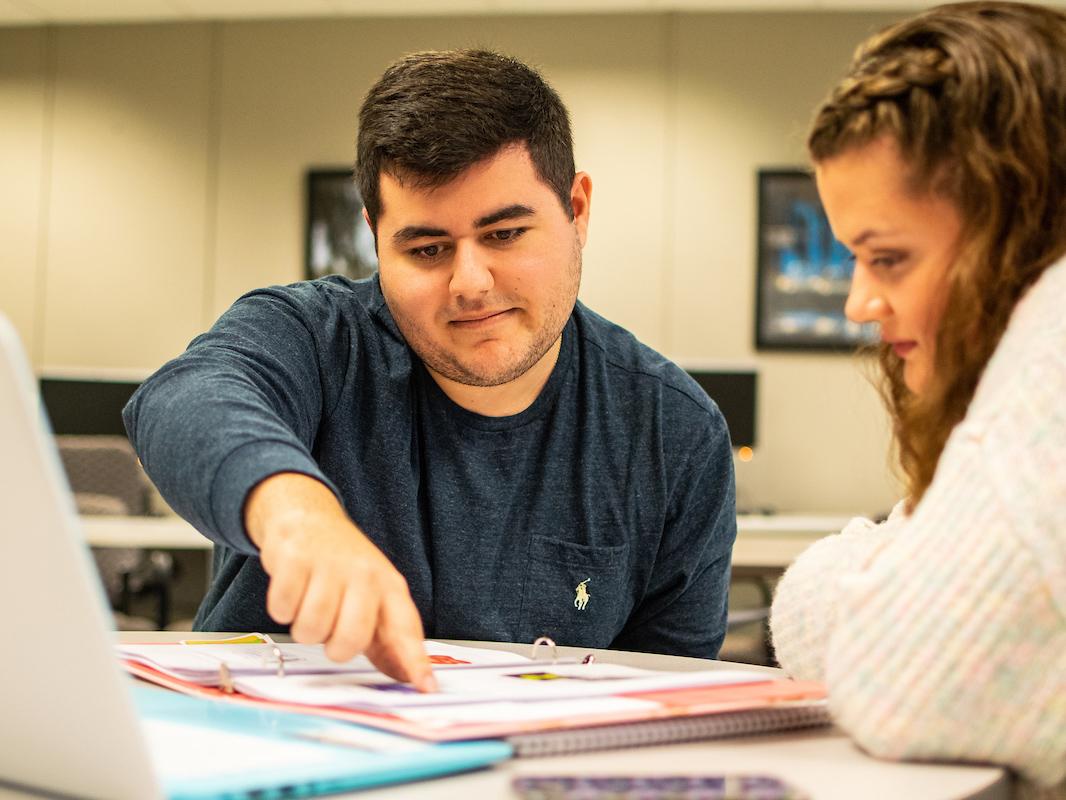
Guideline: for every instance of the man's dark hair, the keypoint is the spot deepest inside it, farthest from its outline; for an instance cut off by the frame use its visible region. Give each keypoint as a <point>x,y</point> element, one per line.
<point>433,115</point>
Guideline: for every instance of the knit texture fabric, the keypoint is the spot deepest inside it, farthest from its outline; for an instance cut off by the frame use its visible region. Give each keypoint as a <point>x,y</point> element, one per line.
<point>942,635</point>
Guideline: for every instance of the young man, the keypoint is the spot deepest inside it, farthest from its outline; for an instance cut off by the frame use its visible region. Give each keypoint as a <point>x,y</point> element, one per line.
<point>455,447</point>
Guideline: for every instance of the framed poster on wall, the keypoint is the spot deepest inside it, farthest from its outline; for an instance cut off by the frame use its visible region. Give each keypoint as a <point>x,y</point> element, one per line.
<point>803,272</point>
<point>337,239</point>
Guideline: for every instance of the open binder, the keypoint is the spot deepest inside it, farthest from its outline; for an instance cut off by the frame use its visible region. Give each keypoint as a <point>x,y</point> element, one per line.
<point>546,706</point>
<point>219,662</point>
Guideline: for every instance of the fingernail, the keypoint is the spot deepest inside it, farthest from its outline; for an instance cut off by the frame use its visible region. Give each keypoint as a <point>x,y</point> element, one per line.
<point>428,683</point>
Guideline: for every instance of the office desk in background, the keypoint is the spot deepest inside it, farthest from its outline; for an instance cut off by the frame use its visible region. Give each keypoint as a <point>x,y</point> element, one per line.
<point>168,533</point>
<point>772,541</point>
<point>768,542</point>
<point>823,761</point>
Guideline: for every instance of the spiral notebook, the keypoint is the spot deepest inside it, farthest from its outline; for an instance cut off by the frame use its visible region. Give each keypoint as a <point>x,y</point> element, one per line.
<point>808,714</point>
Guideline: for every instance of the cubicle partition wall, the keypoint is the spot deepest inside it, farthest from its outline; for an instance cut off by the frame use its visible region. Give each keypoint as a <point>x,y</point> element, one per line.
<point>94,407</point>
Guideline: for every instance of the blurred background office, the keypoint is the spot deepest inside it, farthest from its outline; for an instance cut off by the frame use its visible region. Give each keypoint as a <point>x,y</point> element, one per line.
<point>154,158</point>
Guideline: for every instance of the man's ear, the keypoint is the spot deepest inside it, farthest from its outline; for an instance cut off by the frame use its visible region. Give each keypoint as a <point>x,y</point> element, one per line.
<point>580,202</point>
<point>373,230</point>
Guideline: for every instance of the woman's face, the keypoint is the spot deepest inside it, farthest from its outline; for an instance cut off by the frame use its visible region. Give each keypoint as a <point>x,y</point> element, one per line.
<point>903,245</point>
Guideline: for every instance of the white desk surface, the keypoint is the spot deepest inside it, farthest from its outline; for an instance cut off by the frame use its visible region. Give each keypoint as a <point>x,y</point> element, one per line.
<point>771,541</point>
<point>823,762</point>
<point>171,532</point>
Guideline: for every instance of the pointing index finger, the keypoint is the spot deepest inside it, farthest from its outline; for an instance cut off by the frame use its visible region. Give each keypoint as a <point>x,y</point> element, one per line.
<point>398,648</point>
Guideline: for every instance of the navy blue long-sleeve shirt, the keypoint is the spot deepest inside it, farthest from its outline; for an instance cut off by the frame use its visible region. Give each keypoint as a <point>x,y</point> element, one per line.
<point>619,476</point>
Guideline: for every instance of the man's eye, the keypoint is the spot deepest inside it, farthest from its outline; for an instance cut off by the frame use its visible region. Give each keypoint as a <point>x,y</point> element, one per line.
<point>430,251</point>
<point>506,234</point>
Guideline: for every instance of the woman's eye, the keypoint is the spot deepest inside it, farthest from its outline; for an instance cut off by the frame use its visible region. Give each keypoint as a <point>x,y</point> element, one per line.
<point>885,260</point>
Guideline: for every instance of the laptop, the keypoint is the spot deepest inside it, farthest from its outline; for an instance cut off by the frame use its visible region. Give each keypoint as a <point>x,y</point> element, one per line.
<point>74,724</point>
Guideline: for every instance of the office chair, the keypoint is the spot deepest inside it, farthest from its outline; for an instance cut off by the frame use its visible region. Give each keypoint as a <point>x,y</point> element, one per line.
<point>106,478</point>
<point>748,625</point>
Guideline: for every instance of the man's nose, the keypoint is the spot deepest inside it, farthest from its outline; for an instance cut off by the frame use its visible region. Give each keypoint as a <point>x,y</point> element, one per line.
<point>471,271</point>
<point>865,303</point>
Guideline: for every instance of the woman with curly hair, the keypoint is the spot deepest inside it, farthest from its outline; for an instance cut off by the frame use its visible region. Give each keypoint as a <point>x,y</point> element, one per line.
<point>941,162</point>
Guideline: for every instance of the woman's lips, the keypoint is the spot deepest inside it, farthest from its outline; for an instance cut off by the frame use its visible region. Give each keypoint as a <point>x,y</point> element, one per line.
<point>902,349</point>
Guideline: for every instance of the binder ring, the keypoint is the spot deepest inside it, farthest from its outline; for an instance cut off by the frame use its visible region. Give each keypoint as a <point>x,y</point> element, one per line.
<point>278,657</point>
<point>225,678</point>
<point>545,641</point>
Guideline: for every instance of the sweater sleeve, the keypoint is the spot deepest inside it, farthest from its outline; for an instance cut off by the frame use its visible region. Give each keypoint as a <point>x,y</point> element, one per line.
<point>242,403</point>
<point>949,642</point>
<point>806,599</point>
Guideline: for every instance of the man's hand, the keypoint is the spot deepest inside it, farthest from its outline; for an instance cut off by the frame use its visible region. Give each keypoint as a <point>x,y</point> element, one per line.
<point>330,583</point>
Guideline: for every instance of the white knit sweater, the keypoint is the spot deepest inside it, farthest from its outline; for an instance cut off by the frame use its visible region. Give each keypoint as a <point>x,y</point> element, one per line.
<point>942,635</point>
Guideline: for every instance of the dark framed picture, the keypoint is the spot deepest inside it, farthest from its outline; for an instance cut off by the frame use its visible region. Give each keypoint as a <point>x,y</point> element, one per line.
<point>338,240</point>
<point>803,274</point>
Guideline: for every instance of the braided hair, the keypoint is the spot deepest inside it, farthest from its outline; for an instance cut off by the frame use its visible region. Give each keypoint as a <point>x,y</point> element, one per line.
<point>974,96</point>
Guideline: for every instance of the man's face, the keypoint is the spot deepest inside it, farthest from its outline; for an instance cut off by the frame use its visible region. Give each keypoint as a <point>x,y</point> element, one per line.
<point>481,274</point>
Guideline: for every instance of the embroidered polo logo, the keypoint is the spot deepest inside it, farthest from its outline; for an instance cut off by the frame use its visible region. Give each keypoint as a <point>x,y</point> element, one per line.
<point>581,598</point>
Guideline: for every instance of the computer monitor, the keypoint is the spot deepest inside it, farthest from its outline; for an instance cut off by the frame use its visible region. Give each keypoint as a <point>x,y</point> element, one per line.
<point>85,407</point>
<point>735,392</point>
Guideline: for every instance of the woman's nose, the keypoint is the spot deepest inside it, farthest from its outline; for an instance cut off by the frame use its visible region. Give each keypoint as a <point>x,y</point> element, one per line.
<point>866,302</point>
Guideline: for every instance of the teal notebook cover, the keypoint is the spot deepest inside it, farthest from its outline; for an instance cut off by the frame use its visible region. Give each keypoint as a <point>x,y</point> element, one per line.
<point>206,749</point>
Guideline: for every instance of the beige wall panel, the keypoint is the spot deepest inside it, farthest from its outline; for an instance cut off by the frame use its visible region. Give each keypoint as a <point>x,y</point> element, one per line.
<point>823,439</point>
<point>745,88</point>
<point>125,271</point>
<point>23,103</point>
<point>177,176</point>
<point>289,98</point>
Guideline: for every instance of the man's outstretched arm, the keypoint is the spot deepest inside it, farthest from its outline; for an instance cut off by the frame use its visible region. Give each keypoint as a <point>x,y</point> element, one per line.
<point>236,416</point>
<point>330,583</point>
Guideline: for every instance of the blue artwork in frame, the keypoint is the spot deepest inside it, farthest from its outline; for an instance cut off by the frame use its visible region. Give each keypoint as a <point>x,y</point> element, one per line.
<point>803,272</point>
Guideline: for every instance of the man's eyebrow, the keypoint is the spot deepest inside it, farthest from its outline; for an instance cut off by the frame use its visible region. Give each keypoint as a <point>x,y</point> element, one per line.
<point>412,232</point>
<point>515,211</point>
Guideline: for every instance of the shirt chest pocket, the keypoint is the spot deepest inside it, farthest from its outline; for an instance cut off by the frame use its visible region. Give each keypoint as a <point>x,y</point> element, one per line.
<point>575,594</point>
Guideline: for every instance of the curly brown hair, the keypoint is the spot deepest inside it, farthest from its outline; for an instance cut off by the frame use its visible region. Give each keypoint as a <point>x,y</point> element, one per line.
<point>974,95</point>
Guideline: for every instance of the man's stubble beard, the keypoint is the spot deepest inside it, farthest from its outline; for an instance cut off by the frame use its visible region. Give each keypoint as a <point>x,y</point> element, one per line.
<point>446,364</point>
